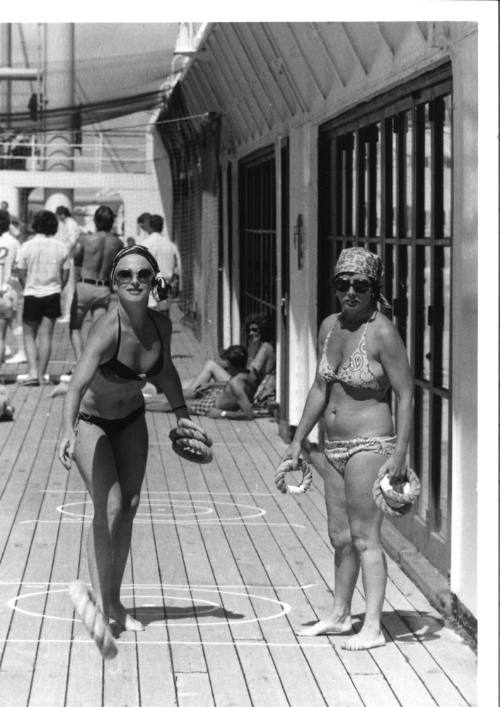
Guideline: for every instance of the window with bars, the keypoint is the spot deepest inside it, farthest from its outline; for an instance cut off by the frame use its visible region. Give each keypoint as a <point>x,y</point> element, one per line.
<point>257,205</point>
<point>385,183</point>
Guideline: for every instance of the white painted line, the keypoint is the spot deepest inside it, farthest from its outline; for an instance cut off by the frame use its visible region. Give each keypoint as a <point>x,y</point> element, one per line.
<point>182,493</point>
<point>44,585</point>
<point>285,608</point>
<point>207,522</point>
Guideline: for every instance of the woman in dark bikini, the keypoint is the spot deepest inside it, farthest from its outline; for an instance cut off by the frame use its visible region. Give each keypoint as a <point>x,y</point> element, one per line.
<point>104,427</point>
<point>361,357</point>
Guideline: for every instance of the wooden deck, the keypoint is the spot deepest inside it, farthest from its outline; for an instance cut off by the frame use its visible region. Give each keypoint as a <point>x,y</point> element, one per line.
<point>223,569</point>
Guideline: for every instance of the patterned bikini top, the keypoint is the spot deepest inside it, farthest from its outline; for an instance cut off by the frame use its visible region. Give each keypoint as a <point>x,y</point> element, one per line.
<point>356,372</point>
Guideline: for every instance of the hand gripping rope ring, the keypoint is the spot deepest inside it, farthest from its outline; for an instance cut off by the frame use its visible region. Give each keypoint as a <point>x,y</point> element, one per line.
<point>394,502</point>
<point>287,466</point>
<point>93,619</point>
<point>191,442</point>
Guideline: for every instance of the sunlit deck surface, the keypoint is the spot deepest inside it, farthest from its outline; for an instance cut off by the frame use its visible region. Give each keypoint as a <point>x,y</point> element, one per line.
<point>223,569</point>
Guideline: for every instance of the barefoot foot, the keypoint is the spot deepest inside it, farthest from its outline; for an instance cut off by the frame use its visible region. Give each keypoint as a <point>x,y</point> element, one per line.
<point>366,638</point>
<point>119,614</point>
<point>327,626</point>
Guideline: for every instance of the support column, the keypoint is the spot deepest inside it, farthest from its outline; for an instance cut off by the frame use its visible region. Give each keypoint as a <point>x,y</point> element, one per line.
<point>5,60</point>
<point>59,89</point>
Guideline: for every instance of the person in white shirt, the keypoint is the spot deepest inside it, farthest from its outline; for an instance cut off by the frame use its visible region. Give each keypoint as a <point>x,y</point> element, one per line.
<point>9,250</point>
<point>168,257</point>
<point>68,232</point>
<point>43,271</point>
<point>144,229</point>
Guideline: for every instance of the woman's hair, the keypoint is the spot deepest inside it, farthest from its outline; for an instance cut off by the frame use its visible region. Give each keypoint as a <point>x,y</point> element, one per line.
<point>45,222</point>
<point>263,321</point>
<point>236,355</point>
<point>104,218</point>
<point>63,211</point>
<point>159,284</point>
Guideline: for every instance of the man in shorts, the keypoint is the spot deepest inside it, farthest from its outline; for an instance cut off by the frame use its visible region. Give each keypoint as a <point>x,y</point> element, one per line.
<point>43,270</point>
<point>93,257</point>
<point>9,251</point>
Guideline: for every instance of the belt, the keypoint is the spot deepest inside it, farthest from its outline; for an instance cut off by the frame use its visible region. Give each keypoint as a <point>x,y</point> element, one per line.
<point>100,283</point>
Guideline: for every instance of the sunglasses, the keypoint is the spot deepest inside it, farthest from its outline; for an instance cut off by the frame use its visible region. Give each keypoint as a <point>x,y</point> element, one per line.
<point>254,328</point>
<point>125,276</point>
<point>343,284</point>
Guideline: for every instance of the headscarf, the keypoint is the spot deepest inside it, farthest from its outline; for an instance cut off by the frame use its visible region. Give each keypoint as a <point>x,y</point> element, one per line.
<point>363,262</point>
<point>134,250</point>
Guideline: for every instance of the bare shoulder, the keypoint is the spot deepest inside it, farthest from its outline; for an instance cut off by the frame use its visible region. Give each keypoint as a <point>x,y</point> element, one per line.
<point>103,333</point>
<point>385,332</point>
<point>327,325</point>
<point>106,327</point>
<point>112,244</point>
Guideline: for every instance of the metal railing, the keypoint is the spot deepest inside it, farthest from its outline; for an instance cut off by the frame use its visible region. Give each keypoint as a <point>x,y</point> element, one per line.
<point>129,153</point>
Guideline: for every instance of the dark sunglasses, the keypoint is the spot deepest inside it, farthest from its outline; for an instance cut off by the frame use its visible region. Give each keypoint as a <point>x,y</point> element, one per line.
<point>125,277</point>
<point>253,328</point>
<point>343,284</point>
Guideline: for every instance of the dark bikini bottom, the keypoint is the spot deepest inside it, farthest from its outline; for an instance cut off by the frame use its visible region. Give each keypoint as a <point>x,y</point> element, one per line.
<point>113,426</point>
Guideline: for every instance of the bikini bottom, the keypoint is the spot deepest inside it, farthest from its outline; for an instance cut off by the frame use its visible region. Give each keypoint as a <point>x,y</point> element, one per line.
<point>112,426</point>
<point>338,452</point>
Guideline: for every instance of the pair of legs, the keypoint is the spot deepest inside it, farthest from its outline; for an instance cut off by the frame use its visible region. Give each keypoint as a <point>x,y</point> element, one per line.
<point>354,524</point>
<point>112,468</point>
<point>38,354</point>
<point>212,372</point>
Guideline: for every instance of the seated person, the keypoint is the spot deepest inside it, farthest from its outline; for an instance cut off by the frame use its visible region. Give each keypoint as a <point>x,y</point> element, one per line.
<point>232,399</point>
<point>261,358</point>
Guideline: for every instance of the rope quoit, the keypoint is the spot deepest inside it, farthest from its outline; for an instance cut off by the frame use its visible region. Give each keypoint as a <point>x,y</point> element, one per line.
<point>191,442</point>
<point>394,501</point>
<point>288,466</point>
<point>93,619</point>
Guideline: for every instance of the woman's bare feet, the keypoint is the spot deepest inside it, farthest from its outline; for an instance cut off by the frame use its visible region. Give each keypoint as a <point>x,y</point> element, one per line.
<point>326,626</point>
<point>366,638</point>
<point>119,614</point>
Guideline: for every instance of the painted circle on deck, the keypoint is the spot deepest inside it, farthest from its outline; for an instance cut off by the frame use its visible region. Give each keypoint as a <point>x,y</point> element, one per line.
<point>177,510</point>
<point>158,606</point>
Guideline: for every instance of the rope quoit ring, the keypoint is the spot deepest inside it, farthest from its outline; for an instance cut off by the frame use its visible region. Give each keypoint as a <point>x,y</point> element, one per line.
<point>287,466</point>
<point>394,502</point>
<point>93,619</point>
<point>191,442</point>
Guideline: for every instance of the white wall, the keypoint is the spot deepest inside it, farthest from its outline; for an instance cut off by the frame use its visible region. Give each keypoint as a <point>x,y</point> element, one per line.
<point>464,323</point>
<point>303,323</point>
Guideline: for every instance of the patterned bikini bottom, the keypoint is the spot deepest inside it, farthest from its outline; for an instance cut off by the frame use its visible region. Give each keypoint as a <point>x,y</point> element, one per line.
<point>338,452</point>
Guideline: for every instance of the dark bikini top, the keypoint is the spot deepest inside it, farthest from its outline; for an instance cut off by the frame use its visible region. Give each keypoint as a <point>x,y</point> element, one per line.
<point>356,372</point>
<point>114,368</point>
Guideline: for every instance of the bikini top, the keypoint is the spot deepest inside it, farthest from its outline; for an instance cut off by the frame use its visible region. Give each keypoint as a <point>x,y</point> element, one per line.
<point>356,372</point>
<point>114,368</point>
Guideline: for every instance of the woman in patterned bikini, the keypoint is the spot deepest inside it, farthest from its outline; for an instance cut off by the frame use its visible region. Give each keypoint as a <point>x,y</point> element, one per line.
<point>104,428</point>
<point>361,357</point>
